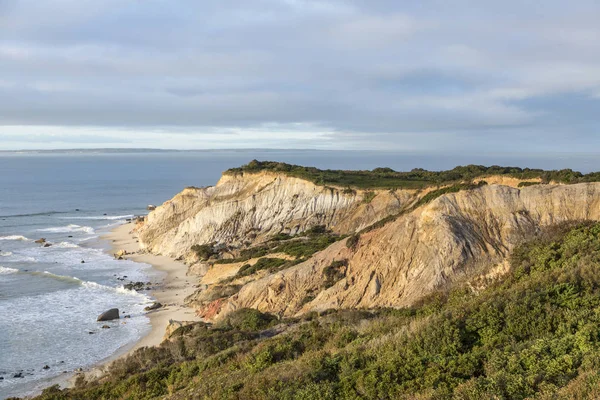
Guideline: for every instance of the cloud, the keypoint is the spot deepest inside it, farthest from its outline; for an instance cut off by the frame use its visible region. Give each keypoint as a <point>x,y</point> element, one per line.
<point>381,73</point>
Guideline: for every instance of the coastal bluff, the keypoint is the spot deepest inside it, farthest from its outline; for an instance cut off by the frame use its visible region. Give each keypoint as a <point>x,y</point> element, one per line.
<point>404,242</point>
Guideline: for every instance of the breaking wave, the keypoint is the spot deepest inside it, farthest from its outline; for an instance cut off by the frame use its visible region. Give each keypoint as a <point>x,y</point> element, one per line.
<point>15,237</point>
<point>66,245</point>
<point>6,270</point>
<point>69,228</point>
<point>91,285</point>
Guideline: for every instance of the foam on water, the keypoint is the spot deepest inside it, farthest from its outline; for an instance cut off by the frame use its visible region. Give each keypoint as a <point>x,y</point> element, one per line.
<point>78,308</point>
<point>15,237</point>
<point>66,245</point>
<point>68,229</point>
<point>7,270</point>
<point>6,253</point>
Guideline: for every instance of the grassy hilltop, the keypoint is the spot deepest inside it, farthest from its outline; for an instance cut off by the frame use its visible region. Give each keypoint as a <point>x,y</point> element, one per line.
<point>534,334</point>
<point>387,178</point>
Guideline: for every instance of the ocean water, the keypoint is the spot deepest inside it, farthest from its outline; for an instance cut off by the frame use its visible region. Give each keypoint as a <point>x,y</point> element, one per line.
<point>49,299</point>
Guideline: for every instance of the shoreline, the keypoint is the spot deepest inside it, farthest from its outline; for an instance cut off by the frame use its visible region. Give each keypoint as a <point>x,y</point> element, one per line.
<point>174,286</point>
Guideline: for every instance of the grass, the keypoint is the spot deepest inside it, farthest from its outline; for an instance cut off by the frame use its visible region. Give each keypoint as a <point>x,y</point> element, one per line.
<point>533,334</point>
<point>386,178</point>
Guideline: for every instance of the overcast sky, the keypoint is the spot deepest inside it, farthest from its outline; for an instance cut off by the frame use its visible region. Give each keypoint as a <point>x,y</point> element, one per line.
<point>507,76</point>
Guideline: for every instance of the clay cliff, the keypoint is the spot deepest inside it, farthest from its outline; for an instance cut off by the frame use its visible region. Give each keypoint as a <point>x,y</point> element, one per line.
<point>470,233</point>
<point>247,208</point>
<point>463,235</point>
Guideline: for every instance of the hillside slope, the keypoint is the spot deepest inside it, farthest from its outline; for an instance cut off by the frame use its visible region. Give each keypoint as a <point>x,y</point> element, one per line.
<point>532,334</point>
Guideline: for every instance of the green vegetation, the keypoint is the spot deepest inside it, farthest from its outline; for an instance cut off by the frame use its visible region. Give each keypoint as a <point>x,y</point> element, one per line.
<point>248,319</point>
<point>368,197</point>
<point>308,247</point>
<point>352,241</point>
<point>526,184</point>
<point>334,272</point>
<point>204,251</point>
<point>434,194</point>
<point>386,178</point>
<point>270,264</point>
<point>300,246</point>
<point>535,334</point>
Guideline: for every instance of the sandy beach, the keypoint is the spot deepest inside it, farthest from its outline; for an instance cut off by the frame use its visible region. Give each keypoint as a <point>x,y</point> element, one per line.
<point>174,287</point>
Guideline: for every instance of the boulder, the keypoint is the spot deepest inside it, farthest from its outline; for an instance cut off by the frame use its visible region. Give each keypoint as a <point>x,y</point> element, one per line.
<point>105,327</point>
<point>41,240</point>
<point>173,326</point>
<point>151,207</point>
<point>109,315</point>
<point>121,253</point>
<point>47,244</point>
<point>136,285</point>
<point>155,306</point>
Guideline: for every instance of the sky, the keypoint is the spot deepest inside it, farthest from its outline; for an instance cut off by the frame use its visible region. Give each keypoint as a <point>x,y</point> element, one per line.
<point>419,76</point>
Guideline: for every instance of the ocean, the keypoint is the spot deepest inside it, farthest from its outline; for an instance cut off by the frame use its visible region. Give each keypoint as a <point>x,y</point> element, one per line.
<point>50,296</point>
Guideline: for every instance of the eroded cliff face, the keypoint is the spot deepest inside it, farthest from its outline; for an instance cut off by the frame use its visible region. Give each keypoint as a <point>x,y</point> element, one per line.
<point>249,207</point>
<point>466,233</point>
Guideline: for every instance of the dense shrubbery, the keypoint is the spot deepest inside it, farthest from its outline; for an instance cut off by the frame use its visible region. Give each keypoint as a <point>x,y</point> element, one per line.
<point>270,264</point>
<point>526,184</point>
<point>536,334</point>
<point>301,246</point>
<point>417,178</point>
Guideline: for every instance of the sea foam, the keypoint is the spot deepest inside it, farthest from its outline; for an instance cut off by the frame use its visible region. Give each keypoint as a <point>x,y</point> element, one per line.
<point>6,270</point>
<point>15,237</point>
<point>69,228</point>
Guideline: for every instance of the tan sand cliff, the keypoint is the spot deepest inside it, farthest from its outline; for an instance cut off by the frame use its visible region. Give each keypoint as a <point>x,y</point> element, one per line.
<point>246,208</point>
<point>469,233</point>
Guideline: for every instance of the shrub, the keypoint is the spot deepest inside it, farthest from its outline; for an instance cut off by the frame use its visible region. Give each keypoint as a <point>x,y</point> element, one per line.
<point>204,251</point>
<point>352,241</point>
<point>368,197</point>
<point>334,272</point>
<point>526,184</point>
<point>249,319</point>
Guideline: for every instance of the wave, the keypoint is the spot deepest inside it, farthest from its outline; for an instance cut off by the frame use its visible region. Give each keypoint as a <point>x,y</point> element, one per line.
<point>90,285</point>
<point>69,228</point>
<point>66,245</point>
<point>6,270</point>
<point>15,237</point>
<point>119,289</point>
<point>103,217</point>
<point>6,253</point>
